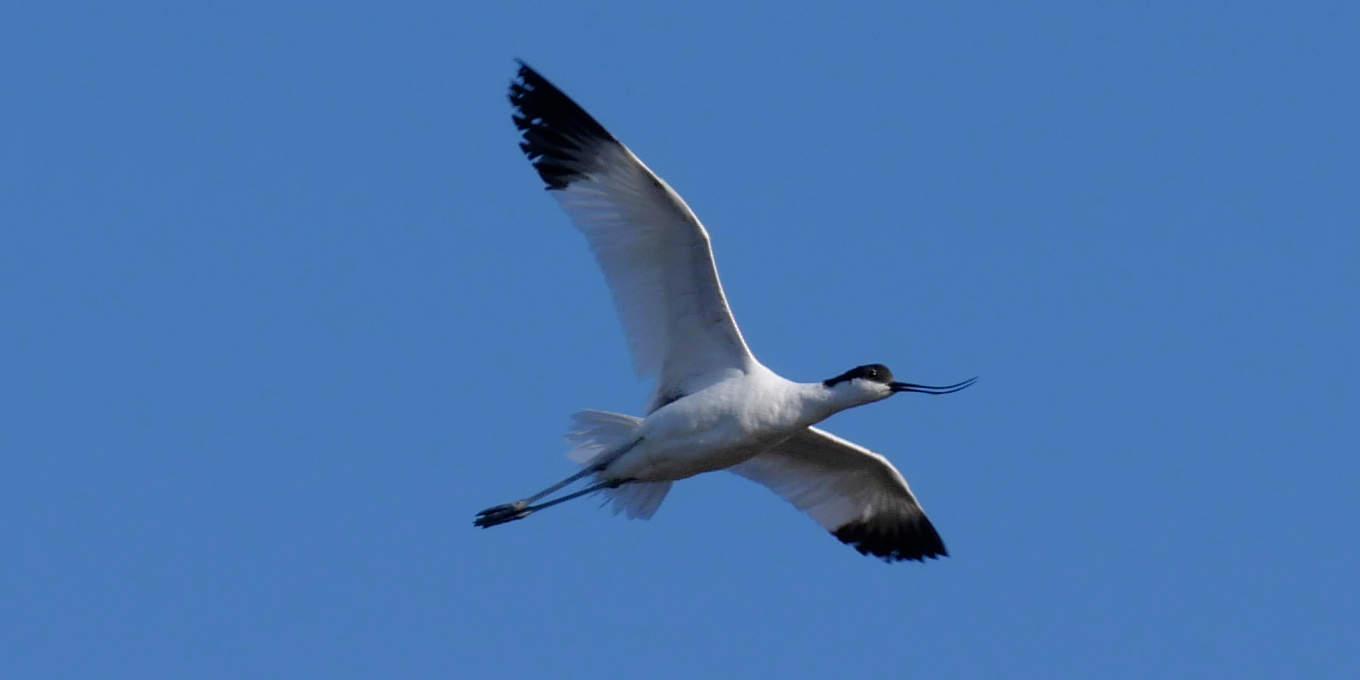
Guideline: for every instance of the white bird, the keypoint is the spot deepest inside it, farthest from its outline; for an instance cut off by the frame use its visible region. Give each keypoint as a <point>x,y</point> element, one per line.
<point>715,407</point>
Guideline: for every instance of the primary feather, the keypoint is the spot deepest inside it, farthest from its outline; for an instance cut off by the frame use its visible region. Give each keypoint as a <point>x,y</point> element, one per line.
<point>654,252</point>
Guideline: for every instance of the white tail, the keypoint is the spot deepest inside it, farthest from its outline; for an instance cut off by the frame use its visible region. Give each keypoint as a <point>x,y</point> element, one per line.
<point>596,433</point>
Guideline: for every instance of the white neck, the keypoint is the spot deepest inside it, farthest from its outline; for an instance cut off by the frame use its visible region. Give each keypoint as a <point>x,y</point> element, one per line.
<point>818,402</point>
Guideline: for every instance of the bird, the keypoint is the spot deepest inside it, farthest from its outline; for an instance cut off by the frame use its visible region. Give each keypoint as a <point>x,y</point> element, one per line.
<point>714,406</point>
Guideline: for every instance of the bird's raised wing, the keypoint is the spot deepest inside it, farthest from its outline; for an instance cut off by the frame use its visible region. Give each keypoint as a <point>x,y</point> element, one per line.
<point>851,491</point>
<point>654,253</point>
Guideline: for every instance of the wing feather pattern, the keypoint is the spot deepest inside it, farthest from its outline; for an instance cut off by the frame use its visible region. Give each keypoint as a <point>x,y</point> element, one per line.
<point>851,491</point>
<point>654,252</point>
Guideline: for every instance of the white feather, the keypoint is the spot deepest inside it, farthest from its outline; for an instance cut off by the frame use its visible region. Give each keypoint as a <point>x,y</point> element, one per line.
<point>596,432</point>
<point>658,262</point>
<point>638,500</point>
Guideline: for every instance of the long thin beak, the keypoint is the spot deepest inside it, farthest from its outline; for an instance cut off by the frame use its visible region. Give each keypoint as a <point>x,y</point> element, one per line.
<point>930,389</point>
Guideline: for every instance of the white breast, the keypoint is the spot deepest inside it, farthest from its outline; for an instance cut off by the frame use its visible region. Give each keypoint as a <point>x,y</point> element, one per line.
<point>724,425</point>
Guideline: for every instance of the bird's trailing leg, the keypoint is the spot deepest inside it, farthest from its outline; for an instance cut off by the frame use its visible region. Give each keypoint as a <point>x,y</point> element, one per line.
<point>501,514</point>
<point>520,509</point>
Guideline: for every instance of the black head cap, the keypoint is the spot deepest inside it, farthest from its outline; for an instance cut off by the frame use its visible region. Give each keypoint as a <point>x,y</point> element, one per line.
<point>875,372</point>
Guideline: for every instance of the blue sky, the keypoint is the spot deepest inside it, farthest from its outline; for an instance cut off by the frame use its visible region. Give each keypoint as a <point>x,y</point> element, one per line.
<point>283,306</point>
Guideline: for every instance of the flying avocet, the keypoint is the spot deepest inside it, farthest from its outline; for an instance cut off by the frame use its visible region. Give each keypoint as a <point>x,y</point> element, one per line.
<point>715,406</point>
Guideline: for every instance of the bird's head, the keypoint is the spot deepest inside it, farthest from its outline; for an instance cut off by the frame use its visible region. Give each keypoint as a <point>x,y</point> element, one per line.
<point>874,382</point>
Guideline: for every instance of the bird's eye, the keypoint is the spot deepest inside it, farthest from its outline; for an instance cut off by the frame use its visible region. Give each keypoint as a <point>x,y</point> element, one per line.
<point>871,373</point>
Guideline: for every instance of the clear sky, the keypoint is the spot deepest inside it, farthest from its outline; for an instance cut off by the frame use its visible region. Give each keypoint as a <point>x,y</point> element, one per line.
<point>282,306</point>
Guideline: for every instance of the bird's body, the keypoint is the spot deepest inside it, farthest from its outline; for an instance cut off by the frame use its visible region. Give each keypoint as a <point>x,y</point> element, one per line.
<point>720,426</point>
<point>715,407</point>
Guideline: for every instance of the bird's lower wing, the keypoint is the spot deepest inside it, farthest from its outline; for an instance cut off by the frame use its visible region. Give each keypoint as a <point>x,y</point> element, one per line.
<point>654,252</point>
<point>851,491</point>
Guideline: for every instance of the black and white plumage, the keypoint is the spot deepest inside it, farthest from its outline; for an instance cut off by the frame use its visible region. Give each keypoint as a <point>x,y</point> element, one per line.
<point>851,491</point>
<point>654,253</point>
<point>715,406</point>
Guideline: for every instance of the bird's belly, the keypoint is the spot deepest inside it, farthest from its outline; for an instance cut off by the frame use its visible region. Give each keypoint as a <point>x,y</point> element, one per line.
<point>714,429</point>
<point>678,459</point>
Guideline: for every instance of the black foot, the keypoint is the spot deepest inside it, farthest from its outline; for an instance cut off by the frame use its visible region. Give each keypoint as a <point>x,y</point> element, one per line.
<point>501,514</point>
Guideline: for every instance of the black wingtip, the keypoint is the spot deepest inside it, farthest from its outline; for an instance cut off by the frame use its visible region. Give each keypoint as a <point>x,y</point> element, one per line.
<point>558,135</point>
<point>894,539</point>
